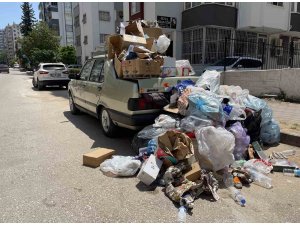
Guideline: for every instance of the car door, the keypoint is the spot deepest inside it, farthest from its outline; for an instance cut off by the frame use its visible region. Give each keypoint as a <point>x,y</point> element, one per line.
<point>94,87</point>
<point>79,85</point>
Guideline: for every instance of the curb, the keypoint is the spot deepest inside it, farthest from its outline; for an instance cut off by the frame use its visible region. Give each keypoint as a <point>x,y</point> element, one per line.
<point>290,139</point>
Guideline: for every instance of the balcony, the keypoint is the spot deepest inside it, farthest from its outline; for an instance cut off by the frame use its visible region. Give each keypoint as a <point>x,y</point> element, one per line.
<point>209,14</point>
<point>263,17</point>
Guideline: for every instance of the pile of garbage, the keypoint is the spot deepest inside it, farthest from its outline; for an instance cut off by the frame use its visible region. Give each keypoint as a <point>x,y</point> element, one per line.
<point>139,52</point>
<point>216,139</point>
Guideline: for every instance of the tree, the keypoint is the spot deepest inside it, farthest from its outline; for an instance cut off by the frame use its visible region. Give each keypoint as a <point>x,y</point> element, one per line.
<point>28,18</point>
<point>40,38</point>
<point>3,57</point>
<point>67,55</point>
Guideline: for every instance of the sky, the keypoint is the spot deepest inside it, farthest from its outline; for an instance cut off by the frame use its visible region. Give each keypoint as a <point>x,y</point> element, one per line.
<point>11,12</point>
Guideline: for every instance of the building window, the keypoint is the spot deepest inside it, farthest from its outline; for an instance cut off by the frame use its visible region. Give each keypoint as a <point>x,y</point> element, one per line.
<point>276,3</point>
<point>84,19</point>
<point>85,41</point>
<point>135,7</point>
<point>76,23</point>
<point>54,3</point>
<point>187,5</point>
<point>104,16</point>
<point>295,7</point>
<point>78,41</point>
<point>102,38</point>
<point>69,28</point>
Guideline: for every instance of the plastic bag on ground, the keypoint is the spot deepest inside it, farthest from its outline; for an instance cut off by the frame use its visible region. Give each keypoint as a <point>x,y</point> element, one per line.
<point>151,132</point>
<point>215,148</point>
<point>270,132</point>
<point>165,121</point>
<point>255,103</point>
<point>205,105</point>
<point>121,165</point>
<point>209,80</point>
<point>162,44</point>
<point>259,165</point>
<point>242,140</point>
<point>190,123</point>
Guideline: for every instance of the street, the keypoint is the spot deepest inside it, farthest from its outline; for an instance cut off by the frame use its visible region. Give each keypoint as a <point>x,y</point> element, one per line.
<point>42,178</point>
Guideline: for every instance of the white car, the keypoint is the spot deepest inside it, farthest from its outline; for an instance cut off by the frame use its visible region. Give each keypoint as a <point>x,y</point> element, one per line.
<point>236,63</point>
<point>50,74</point>
<point>16,65</point>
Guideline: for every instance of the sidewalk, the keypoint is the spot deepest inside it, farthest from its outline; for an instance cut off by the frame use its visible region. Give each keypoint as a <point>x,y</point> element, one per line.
<point>288,116</point>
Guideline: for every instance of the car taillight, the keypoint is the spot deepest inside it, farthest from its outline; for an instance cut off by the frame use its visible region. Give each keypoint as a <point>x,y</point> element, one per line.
<point>44,72</point>
<point>135,104</point>
<point>65,72</point>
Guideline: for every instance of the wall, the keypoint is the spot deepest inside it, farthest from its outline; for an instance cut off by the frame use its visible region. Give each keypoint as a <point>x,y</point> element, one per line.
<point>267,17</point>
<point>262,82</point>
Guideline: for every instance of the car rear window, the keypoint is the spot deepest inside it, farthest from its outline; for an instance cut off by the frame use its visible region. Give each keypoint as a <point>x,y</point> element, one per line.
<point>53,67</point>
<point>226,62</point>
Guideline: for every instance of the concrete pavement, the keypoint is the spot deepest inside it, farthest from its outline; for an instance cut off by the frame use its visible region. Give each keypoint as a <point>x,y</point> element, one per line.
<point>43,180</point>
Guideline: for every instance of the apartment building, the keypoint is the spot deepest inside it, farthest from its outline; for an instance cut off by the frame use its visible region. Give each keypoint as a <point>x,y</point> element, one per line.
<point>168,16</point>
<point>205,26</point>
<point>59,17</point>
<point>11,35</point>
<point>2,48</point>
<point>93,21</point>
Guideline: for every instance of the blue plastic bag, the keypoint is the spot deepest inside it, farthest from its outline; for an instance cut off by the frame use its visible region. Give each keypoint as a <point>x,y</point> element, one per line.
<point>270,132</point>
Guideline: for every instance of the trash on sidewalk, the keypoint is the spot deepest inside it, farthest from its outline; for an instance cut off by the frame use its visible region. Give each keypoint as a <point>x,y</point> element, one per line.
<point>150,169</point>
<point>97,156</point>
<point>121,165</point>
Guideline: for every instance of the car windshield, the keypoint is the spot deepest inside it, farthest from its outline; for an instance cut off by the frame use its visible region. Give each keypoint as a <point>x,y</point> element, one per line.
<point>226,62</point>
<point>53,67</point>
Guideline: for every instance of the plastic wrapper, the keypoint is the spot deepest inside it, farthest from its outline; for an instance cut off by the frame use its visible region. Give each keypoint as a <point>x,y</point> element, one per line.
<point>121,165</point>
<point>151,132</point>
<point>165,121</point>
<point>242,140</point>
<point>233,112</point>
<point>257,104</point>
<point>236,94</point>
<point>162,44</point>
<point>209,80</point>
<point>270,132</point>
<point>215,148</point>
<point>205,105</point>
<point>259,165</point>
<point>190,123</point>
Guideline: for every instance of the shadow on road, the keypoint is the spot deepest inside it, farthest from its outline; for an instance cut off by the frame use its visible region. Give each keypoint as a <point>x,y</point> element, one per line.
<point>91,127</point>
<point>55,90</point>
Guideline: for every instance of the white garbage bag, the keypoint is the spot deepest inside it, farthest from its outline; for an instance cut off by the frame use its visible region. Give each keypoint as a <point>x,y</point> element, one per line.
<point>215,148</point>
<point>209,80</point>
<point>121,165</point>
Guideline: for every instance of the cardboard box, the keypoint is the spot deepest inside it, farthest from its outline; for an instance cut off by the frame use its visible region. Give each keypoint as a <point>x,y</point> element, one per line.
<point>134,28</point>
<point>150,45</point>
<point>183,71</point>
<point>153,32</point>
<point>118,67</point>
<point>168,71</point>
<point>116,43</point>
<point>149,170</point>
<point>193,174</point>
<point>140,67</point>
<point>97,156</point>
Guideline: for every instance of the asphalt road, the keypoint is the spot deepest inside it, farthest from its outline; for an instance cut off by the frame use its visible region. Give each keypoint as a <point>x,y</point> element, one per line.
<point>42,178</point>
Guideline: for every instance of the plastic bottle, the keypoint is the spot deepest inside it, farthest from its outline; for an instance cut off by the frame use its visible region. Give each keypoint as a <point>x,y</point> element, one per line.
<point>291,172</point>
<point>260,179</point>
<point>182,214</point>
<point>237,196</point>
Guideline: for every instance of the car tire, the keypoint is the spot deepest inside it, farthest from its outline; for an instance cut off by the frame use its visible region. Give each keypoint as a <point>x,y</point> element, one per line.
<point>73,109</point>
<point>34,83</point>
<point>39,85</point>
<point>108,127</point>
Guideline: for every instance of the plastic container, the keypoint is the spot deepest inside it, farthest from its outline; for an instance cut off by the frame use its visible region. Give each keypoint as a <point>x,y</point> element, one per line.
<point>260,179</point>
<point>237,196</point>
<point>291,172</point>
<point>181,214</point>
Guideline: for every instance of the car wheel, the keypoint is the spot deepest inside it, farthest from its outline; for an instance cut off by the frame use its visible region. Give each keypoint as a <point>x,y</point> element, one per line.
<point>39,85</point>
<point>107,125</point>
<point>34,83</point>
<point>73,109</point>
